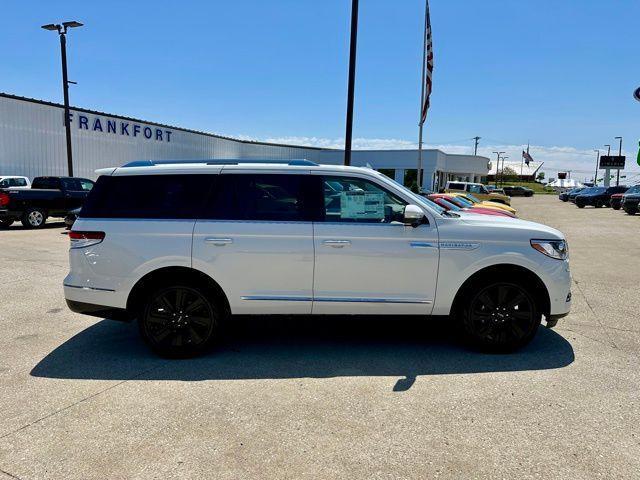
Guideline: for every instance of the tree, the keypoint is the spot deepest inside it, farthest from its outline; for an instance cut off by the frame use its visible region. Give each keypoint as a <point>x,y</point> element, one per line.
<point>509,174</point>
<point>540,176</point>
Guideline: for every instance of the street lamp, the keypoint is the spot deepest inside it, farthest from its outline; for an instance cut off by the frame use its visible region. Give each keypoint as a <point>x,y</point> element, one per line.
<point>595,177</point>
<point>62,32</point>
<point>502,171</point>
<point>608,149</point>
<point>619,154</point>
<point>497,166</point>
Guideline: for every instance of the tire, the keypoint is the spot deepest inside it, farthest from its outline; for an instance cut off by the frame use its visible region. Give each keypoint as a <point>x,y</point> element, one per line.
<point>180,321</point>
<point>6,222</point>
<point>580,205</point>
<point>500,317</point>
<point>615,206</point>
<point>631,211</point>
<point>34,218</point>
<point>598,204</point>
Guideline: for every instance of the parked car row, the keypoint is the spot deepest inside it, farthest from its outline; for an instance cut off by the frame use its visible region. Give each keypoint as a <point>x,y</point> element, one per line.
<point>46,197</point>
<point>616,197</point>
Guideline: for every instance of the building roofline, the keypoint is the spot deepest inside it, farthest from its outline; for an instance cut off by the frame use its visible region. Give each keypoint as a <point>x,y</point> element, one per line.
<point>156,124</point>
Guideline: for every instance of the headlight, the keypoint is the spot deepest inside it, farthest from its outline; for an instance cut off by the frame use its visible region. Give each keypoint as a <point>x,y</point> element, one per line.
<point>558,249</point>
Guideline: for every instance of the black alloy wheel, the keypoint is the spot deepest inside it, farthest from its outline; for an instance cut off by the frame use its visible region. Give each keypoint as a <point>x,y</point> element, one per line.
<point>501,317</point>
<point>179,321</point>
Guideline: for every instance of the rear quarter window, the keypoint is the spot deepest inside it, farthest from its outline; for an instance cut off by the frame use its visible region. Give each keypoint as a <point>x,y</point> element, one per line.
<point>456,186</point>
<point>148,196</point>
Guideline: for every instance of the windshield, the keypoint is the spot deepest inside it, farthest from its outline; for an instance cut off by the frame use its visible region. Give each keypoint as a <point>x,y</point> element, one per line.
<point>634,189</point>
<point>449,205</point>
<point>463,201</point>
<point>473,199</point>
<point>594,190</point>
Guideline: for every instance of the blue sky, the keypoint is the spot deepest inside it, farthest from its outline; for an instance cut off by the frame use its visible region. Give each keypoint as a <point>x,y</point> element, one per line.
<point>558,73</point>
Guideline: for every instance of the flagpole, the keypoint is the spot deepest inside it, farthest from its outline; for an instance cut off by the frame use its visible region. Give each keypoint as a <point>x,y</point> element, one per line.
<point>424,62</point>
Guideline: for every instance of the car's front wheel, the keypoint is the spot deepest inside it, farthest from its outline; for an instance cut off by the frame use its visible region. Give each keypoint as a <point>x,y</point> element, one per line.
<point>34,218</point>
<point>501,316</point>
<point>179,321</point>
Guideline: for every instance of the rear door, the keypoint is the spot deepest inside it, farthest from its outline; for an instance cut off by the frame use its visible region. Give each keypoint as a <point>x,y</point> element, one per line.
<point>255,238</point>
<point>367,260</point>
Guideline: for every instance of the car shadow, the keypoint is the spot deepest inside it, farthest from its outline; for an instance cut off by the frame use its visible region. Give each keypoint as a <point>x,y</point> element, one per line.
<point>298,347</point>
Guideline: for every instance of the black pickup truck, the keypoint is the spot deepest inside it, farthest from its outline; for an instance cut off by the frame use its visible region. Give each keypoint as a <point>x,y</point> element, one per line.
<point>47,197</point>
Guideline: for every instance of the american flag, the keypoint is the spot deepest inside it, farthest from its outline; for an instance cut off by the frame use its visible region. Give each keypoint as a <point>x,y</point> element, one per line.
<point>527,158</point>
<point>428,65</point>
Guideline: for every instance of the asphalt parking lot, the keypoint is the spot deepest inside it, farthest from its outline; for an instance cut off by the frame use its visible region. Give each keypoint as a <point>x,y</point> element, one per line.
<point>83,398</point>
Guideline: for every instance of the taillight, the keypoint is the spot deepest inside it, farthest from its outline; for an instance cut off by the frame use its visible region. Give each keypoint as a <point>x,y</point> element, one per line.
<point>85,239</point>
<point>4,199</point>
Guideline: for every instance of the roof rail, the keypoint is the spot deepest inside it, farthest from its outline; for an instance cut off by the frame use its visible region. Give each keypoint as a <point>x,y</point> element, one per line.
<point>151,163</point>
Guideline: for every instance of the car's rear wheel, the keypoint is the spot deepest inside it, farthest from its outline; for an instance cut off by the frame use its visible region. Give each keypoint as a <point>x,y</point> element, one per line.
<point>6,222</point>
<point>598,204</point>
<point>34,218</point>
<point>179,321</point>
<point>631,211</point>
<point>501,316</point>
<point>580,205</point>
<point>615,206</point>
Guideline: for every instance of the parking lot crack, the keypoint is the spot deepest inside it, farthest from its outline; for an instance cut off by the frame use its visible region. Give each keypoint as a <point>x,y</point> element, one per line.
<point>77,402</point>
<point>9,474</point>
<point>604,328</point>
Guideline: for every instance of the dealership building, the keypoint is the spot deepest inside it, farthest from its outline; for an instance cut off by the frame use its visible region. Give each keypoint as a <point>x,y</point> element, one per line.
<point>32,143</point>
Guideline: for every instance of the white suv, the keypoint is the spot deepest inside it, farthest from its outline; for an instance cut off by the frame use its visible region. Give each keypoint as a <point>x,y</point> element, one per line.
<point>182,246</point>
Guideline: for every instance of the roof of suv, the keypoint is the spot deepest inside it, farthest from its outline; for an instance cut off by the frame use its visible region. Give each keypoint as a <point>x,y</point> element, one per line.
<point>216,165</point>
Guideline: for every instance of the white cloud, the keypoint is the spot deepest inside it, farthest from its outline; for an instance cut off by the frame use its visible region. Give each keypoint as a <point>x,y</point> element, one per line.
<point>556,158</point>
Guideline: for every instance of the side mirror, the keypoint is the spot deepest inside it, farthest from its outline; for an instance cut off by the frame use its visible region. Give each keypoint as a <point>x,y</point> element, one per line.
<point>413,215</point>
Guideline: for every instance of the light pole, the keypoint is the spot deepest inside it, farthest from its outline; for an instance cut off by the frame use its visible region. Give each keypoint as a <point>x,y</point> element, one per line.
<point>497,166</point>
<point>595,177</point>
<point>62,32</point>
<point>502,171</point>
<point>352,81</point>
<point>607,171</point>
<point>619,154</point>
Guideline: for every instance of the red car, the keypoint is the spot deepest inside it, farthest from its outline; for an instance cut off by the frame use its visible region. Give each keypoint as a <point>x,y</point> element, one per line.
<point>445,201</point>
<point>616,201</point>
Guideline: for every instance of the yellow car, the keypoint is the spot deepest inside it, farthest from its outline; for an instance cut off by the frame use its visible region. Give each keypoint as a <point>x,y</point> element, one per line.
<point>485,204</point>
<point>478,190</point>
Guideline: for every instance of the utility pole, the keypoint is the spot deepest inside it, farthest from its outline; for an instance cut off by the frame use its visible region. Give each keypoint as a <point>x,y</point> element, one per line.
<point>607,171</point>
<point>595,177</point>
<point>352,81</point>
<point>619,154</point>
<point>497,166</point>
<point>475,149</point>
<point>62,33</point>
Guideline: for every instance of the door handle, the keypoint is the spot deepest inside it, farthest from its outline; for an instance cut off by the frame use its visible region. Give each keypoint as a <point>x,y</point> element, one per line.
<point>337,243</point>
<point>219,242</point>
<point>423,245</point>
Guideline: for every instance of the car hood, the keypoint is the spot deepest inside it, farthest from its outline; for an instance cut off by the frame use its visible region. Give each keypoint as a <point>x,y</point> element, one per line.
<point>527,228</point>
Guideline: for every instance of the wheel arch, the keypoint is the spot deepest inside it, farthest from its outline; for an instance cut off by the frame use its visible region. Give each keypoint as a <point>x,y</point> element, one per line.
<point>172,275</point>
<point>505,271</point>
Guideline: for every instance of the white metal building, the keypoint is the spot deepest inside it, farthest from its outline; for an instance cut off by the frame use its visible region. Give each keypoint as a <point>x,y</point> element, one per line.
<point>32,143</point>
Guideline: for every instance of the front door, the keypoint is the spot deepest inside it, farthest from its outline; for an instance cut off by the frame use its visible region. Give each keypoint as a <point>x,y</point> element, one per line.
<point>255,239</point>
<point>367,260</point>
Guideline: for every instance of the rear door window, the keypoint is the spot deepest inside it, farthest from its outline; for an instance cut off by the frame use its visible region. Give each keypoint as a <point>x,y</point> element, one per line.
<point>148,196</point>
<point>264,197</point>
<point>456,186</point>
